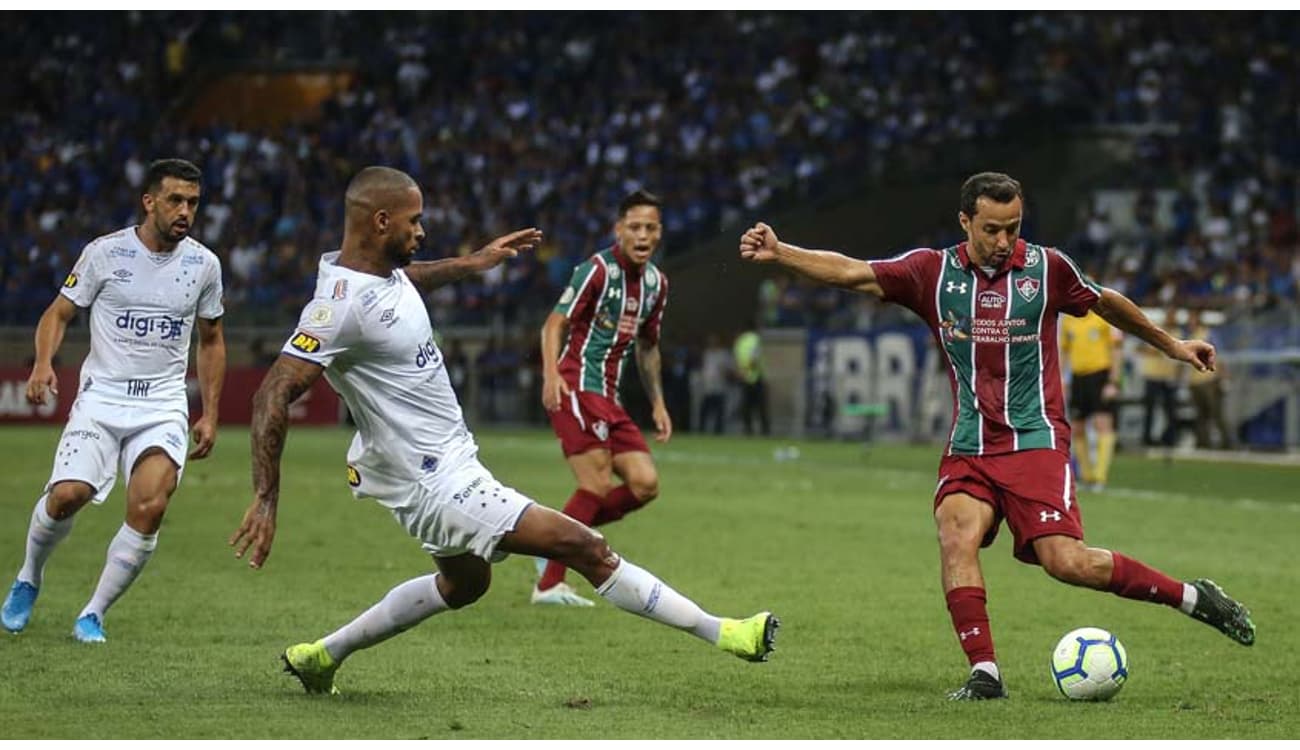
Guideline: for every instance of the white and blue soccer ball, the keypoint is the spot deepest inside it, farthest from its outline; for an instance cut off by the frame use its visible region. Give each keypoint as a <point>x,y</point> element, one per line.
<point>1089,664</point>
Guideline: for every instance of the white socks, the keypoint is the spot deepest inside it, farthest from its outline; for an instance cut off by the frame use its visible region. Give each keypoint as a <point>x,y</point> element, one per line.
<point>127,554</point>
<point>636,590</point>
<point>43,535</point>
<point>1190,596</point>
<point>988,667</point>
<point>405,606</point>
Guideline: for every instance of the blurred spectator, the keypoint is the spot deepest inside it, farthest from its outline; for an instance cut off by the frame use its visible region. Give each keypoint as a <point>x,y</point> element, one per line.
<point>749,367</point>
<point>1207,393</point>
<point>716,370</point>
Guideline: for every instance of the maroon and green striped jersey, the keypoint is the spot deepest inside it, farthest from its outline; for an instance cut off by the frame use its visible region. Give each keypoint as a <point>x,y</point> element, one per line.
<point>610,303</point>
<point>998,332</point>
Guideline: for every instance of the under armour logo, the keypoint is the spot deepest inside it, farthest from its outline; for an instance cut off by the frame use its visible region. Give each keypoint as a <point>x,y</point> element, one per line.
<point>1049,515</point>
<point>959,287</point>
<point>969,633</point>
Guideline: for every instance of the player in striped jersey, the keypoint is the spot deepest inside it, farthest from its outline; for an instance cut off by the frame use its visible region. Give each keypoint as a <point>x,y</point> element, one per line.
<point>612,308</point>
<point>992,303</point>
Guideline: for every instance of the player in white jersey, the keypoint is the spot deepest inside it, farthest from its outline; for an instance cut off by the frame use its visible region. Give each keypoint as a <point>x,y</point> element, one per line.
<point>148,288</point>
<point>368,331</point>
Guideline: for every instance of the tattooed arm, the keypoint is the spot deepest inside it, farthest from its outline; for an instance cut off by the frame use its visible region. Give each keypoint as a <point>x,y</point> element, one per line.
<point>287,379</point>
<point>428,275</point>
<point>648,364</point>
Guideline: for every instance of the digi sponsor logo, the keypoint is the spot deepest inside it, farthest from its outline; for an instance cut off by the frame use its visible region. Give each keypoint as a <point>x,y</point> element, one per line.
<point>426,354</point>
<point>354,476</point>
<point>991,300</point>
<point>167,327</point>
<point>305,343</point>
<point>71,281</point>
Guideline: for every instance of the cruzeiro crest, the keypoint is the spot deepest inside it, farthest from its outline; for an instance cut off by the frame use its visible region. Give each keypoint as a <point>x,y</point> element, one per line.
<point>1028,288</point>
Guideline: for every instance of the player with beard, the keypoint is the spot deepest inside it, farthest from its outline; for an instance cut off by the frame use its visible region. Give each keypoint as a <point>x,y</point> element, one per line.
<point>992,303</point>
<point>148,288</point>
<point>368,332</point>
<point>612,310</point>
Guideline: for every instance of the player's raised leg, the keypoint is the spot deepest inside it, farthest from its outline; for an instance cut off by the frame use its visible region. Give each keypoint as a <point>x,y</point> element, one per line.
<point>51,521</point>
<point>460,581</point>
<point>1072,561</point>
<point>963,521</point>
<point>153,480</point>
<point>547,533</point>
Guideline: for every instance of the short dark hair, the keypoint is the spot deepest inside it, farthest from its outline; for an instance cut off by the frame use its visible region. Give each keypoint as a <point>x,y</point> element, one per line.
<point>641,197</point>
<point>178,168</point>
<point>992,185</point>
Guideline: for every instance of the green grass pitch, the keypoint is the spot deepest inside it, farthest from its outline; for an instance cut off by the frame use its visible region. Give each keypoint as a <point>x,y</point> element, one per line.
<point>839,543</point>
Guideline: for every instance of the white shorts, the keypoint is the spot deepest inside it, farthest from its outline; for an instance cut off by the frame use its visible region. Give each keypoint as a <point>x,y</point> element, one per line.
<point>99,438</point>
<point>460,510</point>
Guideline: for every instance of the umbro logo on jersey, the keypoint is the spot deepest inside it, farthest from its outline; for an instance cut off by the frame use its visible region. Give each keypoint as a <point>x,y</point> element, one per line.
<point>1028,288</point>
<point>305,343</point>
<point>71,281</point>
<point>957,286</point>
<point>122,274</point>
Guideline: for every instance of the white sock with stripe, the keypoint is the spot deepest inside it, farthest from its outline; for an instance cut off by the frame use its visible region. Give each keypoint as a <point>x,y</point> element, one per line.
<point>43,535</point>
<point>638,591</point>
<point>405,606</point>
<point>127,555</point>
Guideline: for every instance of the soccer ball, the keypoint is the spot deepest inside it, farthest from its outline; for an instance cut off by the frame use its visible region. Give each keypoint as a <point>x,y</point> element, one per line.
<point>1089,664</point>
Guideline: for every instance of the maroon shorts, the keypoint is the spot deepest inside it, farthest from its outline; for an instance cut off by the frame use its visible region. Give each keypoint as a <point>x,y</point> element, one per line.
<point>587,420</point>
<point>1033,490</point>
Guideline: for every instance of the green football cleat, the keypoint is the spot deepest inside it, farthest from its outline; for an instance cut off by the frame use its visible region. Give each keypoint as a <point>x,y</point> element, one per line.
<point>312,665</point>
<point>1214,607</point>
<point>752,638</point>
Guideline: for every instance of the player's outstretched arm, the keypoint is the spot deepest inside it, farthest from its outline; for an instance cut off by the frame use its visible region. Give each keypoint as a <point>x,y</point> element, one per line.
<point>649,365</point>
<point>1120,312</point>
<point>759,244</point>
<point>287,379</point>
<point>211,365</point>
<point>554,389</point>
<point>431,274</point>
<point>49,335</point>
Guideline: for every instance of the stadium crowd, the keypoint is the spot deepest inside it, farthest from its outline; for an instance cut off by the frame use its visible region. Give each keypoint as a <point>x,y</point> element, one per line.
<point>515,119</point>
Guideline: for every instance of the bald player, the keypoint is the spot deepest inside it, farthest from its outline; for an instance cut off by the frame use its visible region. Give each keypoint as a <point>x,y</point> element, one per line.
<point>368,332</point>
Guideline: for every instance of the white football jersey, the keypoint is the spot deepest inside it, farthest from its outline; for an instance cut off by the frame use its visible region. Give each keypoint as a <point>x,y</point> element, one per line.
<point>142,309</point>
<point>374,339</point>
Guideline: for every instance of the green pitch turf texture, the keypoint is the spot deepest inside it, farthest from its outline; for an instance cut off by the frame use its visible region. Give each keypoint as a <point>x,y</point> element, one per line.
<point>839,543</point>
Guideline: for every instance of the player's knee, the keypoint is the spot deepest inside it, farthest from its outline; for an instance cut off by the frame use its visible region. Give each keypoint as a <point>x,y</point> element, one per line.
<point>148,509</point>
<point>458,594</point>
<point>66,498</point>
<point>1065,564</point>
<point>645,489</point>
<point>959,536</point>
